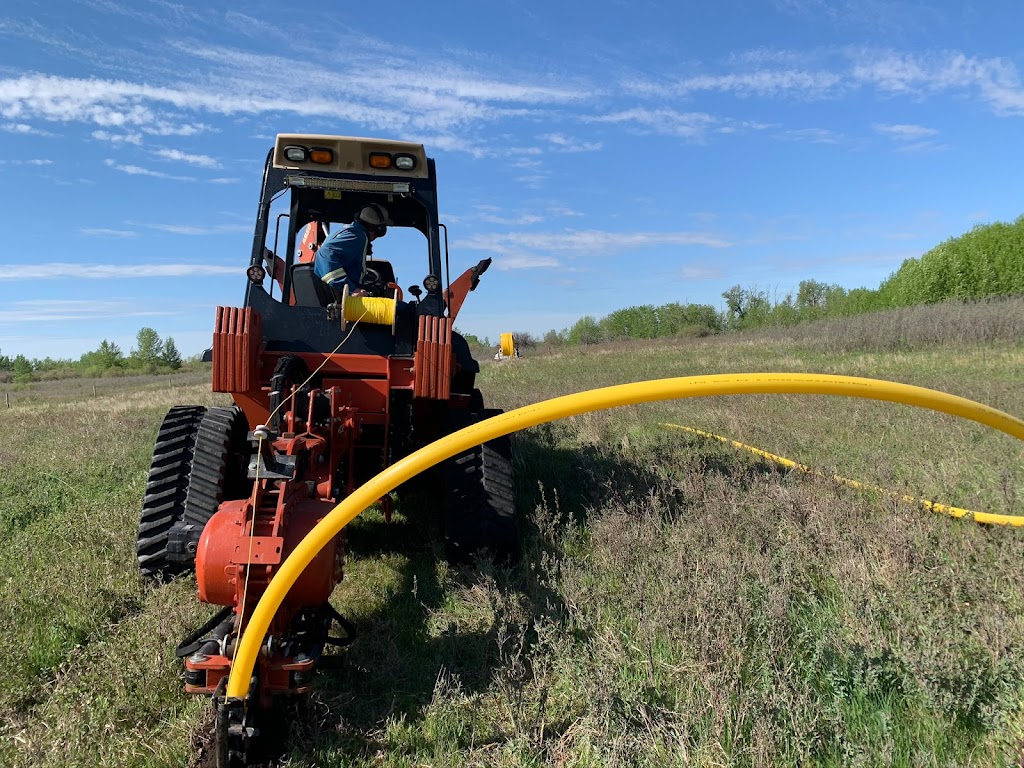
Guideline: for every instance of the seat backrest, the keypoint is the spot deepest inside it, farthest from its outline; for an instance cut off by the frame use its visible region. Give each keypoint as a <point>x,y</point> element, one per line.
<point>310,290</point>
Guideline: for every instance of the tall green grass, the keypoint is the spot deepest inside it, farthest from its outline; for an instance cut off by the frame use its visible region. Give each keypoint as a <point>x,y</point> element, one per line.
<point>677,603</point>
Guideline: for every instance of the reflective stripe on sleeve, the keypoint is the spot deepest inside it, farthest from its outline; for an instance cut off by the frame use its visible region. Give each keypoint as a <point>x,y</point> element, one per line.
<point>337,274</point>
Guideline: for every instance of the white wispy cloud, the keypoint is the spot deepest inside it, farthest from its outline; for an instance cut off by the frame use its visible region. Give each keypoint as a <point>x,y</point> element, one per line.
<point>759,82</point>
<point>526,261</point>
<point>564,143</point>
<point>891,15</point>
<point>161,13</point>
<point>700,272</point>
<point>521,249</point>
<point>108,271</point>
<point>923,146</point>
<point>24,128</point>
<point>138,170</point>
<point>562,211</point>
<point>527,163</point>
<point>68,310</point>
<point>811,135</point>
<point>185,229</point>
<point>687,125</point>
<point>118,138</point>
<point>492,214</point>
<point>534,180</point>
<point>254,27</point>
<point>764,57</point>
<point>911,138</point>
<point>994,81</point>
<point>904,131</point>
<point>449,142</point>
<point>199,161</point>
<point>104,232</point>
<point>413,94</point>
<point>223,180</point>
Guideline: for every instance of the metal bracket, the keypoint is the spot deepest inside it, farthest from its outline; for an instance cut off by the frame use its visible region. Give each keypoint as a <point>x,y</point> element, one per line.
<point>276,468</point>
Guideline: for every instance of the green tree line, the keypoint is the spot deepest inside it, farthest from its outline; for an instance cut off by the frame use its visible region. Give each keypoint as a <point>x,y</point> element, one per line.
<point>151,354</point>
<point>988,261</point>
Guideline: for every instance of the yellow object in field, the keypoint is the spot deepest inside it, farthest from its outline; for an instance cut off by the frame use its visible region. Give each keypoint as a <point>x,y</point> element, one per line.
<point>559,408</point>
<point>508,345</point>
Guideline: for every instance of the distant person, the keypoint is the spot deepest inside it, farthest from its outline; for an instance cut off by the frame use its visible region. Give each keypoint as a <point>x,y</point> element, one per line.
<point>341,260</point>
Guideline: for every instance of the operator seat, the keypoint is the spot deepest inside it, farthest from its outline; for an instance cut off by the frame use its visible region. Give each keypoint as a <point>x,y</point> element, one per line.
<point>310,290</point>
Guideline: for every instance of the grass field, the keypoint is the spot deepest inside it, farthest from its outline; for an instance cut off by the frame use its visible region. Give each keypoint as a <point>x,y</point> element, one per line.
<point>679,602</point>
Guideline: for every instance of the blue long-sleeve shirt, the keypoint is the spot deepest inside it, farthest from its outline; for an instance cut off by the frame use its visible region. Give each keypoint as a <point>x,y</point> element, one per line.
<point>342,257</point>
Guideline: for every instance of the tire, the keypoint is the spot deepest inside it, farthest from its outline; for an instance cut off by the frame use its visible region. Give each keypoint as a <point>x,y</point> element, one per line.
<point>480,508</point>
<point>218,473</point>
<point>167,488</point>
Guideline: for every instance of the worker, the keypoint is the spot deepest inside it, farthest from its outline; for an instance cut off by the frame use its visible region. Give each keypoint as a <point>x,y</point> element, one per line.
<point>341,260</point>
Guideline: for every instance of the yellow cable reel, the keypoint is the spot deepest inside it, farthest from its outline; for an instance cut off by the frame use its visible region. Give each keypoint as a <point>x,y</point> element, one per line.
<point>508,345</point>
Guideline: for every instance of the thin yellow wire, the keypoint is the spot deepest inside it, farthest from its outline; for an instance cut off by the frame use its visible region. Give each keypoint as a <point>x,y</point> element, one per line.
<point>931,506</point>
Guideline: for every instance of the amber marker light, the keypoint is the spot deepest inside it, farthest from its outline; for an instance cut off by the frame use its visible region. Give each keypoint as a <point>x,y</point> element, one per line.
<point>321,155</point>
<point>380,160</point>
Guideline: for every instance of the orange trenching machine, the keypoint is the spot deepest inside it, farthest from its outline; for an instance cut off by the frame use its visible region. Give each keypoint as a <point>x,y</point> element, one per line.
<point>321,404</point>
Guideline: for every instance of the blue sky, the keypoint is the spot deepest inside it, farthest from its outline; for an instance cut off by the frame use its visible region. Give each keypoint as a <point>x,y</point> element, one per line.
<point>606,154</point>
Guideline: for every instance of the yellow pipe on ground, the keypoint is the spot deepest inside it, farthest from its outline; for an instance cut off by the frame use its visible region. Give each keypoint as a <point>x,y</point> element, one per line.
<point>573,405</point>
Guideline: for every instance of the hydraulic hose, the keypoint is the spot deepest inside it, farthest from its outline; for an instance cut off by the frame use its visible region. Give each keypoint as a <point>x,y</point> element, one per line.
<point>573,405</point>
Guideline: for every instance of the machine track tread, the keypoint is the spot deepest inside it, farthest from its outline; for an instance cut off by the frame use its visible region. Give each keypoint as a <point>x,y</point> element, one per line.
<point>167,487</point>
<point>216,474</point>
<point>290,371</point>
<point>480,508</point>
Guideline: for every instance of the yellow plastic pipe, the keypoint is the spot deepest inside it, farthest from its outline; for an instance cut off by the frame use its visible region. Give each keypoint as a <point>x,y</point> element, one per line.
<point>572,405</point>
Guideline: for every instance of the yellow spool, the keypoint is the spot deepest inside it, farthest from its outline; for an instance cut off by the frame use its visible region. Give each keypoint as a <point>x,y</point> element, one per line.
<point>367,309</point>
<point>508,345</point>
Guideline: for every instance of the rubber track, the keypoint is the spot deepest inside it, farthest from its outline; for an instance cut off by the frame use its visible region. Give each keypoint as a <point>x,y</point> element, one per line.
<point>480,509</point>
<point>221,433</point>
<point>167,487</point>
<point>290,370</point>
